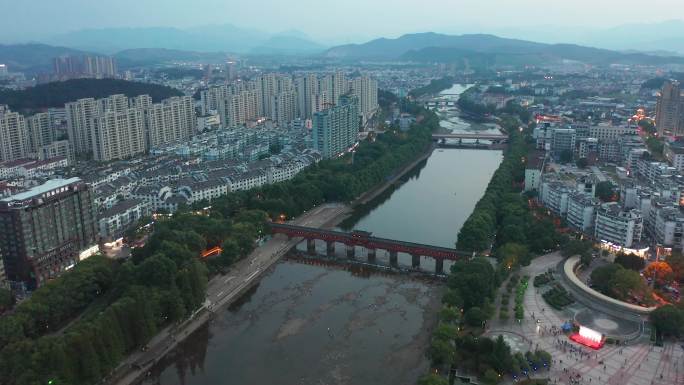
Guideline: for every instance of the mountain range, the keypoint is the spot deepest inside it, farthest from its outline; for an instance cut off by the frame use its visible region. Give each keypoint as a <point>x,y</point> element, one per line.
<point>213,44</point>
<point>210,38</point>
<point>486,50</point>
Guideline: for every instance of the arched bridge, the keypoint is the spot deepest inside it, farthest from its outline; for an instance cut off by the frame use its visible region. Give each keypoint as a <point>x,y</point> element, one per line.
<point>371,243</point>
<point>493,137</point>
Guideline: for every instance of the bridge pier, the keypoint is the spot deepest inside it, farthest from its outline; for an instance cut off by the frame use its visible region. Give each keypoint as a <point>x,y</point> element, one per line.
<point>439,266</point>
<point>371,255</point>
<point>330,249</point>
<point>311,246</point>
<point>351,250</point>
<point>394,260</point>
<point>415,261</point>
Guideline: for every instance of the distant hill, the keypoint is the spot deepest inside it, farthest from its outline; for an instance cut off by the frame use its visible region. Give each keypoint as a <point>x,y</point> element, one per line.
<point>662,36</point>
<point>56,94</point>
<point>151,56</point>
<point>480,49</point>
<point>32,58</point>
<point>287,45</point>
<point>209,38</point>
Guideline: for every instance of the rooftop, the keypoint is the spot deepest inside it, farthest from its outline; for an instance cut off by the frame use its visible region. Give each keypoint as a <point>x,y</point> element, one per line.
<point>42,189</point>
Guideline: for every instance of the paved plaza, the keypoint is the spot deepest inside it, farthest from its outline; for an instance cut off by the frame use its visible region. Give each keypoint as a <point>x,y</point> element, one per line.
<point>638,363</point>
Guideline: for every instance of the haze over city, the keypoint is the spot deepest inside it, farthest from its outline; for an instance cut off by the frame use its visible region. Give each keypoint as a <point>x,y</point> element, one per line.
<point>359,192</point>
<point>354,20</point>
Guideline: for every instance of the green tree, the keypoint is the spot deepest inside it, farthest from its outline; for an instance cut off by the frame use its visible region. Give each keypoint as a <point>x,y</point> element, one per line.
<point>668,320</point>
<point>449,314</point>
<point>6,299</point>
<point>676,262</point>
<point>491,377</point>
<point>628,282</point>
<point>582,163</point>
<point>576,247</point>
<point>630,261</point>
<point>445,331</point>
<point>513,255</point>
<point>475,316</point>
<point>432,379</point>
<point>605,191</point>
<point>601,277</point>
<point>441,352</point>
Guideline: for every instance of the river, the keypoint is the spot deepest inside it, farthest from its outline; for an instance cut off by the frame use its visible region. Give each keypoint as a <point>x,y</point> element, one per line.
<point>310,322</point>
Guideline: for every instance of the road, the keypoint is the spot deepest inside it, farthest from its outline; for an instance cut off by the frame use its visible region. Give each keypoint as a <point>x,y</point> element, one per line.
<point>222,291</point>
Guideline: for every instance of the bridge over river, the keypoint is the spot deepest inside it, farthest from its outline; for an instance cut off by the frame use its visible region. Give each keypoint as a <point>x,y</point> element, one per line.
<point>371,244</point>
<point>471,136</point>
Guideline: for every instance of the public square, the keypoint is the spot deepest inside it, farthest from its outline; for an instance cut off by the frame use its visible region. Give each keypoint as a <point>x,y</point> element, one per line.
<point>637,362</point>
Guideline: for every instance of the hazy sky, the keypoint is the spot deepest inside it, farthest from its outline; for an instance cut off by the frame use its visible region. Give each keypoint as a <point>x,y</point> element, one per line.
<point>326,19</point>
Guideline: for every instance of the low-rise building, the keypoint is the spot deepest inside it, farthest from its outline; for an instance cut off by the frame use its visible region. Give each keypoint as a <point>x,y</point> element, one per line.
<point>618,226</point>
<point>534,169</point>
<point>582,211</point>
<point>554,195</point>
<point>674,153</point>
<point>114,221</point>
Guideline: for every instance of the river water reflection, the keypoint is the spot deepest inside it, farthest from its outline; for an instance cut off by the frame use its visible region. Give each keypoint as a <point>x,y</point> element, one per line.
<point>311,323</point>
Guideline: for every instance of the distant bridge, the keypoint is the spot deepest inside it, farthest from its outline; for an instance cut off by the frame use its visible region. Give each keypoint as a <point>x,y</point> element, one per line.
<point>439,103</point>
<point>371,243</point>
<point>492,137</point>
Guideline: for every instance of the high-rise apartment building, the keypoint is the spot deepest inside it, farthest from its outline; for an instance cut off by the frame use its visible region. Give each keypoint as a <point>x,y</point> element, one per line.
<point>73,66</point>
<point>307,91</point>
<point>39,132</point>
<point>335,85</point>
<point>13,136</point>
<point>46,230</point>
<point>239,108</point>
<point>366,90</point>
<point>80,119</point>
<point>231,70</point>
<point>336,129</point>
<point>115,103</point>
<point>172,120</point>
<point>118,135</point>
<point>212,97</point>
<point>283,107</point>
<point>670,110</point>
<point>99,66</point>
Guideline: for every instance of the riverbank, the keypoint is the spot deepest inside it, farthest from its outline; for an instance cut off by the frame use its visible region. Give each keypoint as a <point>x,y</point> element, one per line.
<point>222,291</point>
<point>376,191</point>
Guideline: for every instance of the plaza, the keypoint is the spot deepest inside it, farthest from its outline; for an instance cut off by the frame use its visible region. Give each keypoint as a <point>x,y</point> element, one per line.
<point>635,361</point>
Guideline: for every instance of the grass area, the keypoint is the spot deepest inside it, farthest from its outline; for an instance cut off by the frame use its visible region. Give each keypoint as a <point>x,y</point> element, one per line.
<point>520,297</point>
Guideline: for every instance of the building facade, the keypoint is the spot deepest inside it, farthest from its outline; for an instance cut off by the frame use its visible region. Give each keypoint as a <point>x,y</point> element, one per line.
<point>670,110</point>
<point>46,230</point>
<point>618,226</point>
<point>336,129</point>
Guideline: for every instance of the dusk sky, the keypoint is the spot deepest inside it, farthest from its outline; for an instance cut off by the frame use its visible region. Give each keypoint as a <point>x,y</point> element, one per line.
<point>326,20</point>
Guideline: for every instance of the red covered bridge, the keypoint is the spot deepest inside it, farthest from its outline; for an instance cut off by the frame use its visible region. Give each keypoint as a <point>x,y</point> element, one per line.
<point>370,243</point>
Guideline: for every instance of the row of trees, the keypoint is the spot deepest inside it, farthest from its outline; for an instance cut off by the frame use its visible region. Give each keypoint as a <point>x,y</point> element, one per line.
<point>121,316</point>
<point>435,86</point>
<point>501,219</point>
